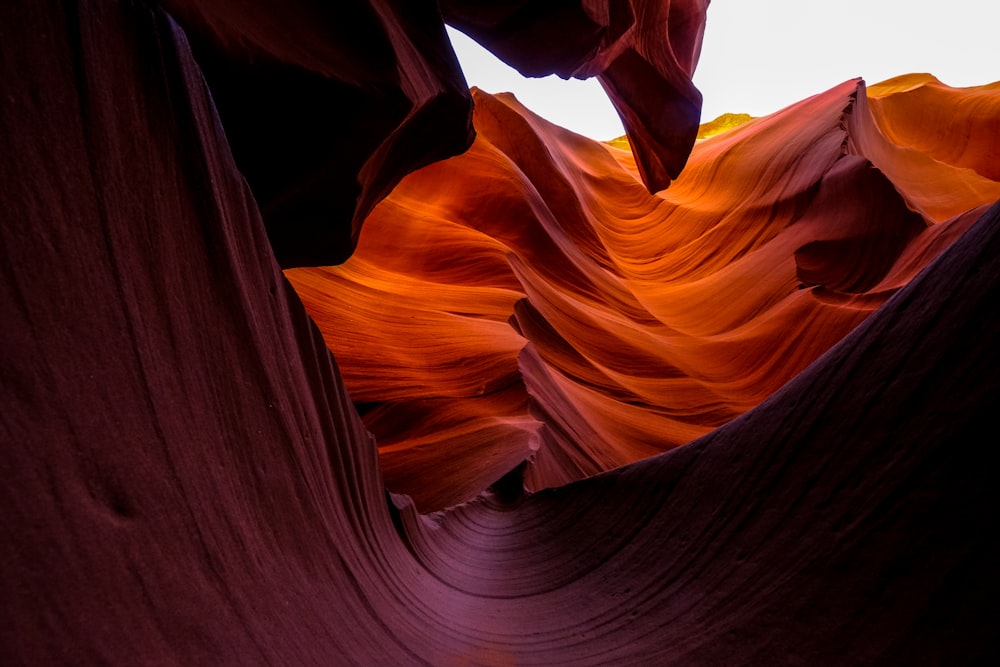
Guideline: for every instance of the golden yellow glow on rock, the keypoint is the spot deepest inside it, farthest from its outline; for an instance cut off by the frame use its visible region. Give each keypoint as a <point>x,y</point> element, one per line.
<point>620,142</point>
<point>723,123</point>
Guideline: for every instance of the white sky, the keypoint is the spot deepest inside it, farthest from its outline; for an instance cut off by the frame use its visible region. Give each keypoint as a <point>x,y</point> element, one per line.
<point>762,55</point>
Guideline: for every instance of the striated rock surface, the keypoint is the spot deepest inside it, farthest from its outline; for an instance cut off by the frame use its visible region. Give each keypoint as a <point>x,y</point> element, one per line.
<point>185,479</point>
<point>636,322</point>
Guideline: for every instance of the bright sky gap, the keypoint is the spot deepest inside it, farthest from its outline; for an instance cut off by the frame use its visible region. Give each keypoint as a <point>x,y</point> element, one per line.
<point>762,55</point>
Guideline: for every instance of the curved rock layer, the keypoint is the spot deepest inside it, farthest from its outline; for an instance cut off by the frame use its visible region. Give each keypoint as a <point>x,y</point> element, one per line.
<point>548,309</point>
<point>186,482</point>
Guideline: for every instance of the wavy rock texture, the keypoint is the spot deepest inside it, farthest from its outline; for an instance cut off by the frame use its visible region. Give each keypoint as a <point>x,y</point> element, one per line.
<point>636,322</point>
<point>186,481</point>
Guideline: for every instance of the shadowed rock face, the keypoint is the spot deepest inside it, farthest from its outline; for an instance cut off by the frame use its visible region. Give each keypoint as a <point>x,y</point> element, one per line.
<point>186,480</point>
<point>326,106</point>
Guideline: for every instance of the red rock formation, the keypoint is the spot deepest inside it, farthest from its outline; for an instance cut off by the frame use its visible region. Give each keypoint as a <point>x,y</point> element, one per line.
<point>641,321</point>
<point>643,53</point>
<point>185,480</point>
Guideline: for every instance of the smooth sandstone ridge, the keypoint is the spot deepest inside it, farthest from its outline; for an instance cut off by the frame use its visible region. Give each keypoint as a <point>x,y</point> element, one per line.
<point>186,480</point>
<point>549,310</point>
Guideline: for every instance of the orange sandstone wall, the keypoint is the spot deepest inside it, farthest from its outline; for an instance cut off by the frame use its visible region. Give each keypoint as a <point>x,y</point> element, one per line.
<point>529,300</point>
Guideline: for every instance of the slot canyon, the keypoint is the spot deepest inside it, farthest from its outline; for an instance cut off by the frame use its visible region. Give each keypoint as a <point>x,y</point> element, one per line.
<point>314,355</point>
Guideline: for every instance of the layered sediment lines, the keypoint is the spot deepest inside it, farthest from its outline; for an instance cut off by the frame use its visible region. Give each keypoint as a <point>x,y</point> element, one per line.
<point>186,480</point>
<point>549,309</point>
